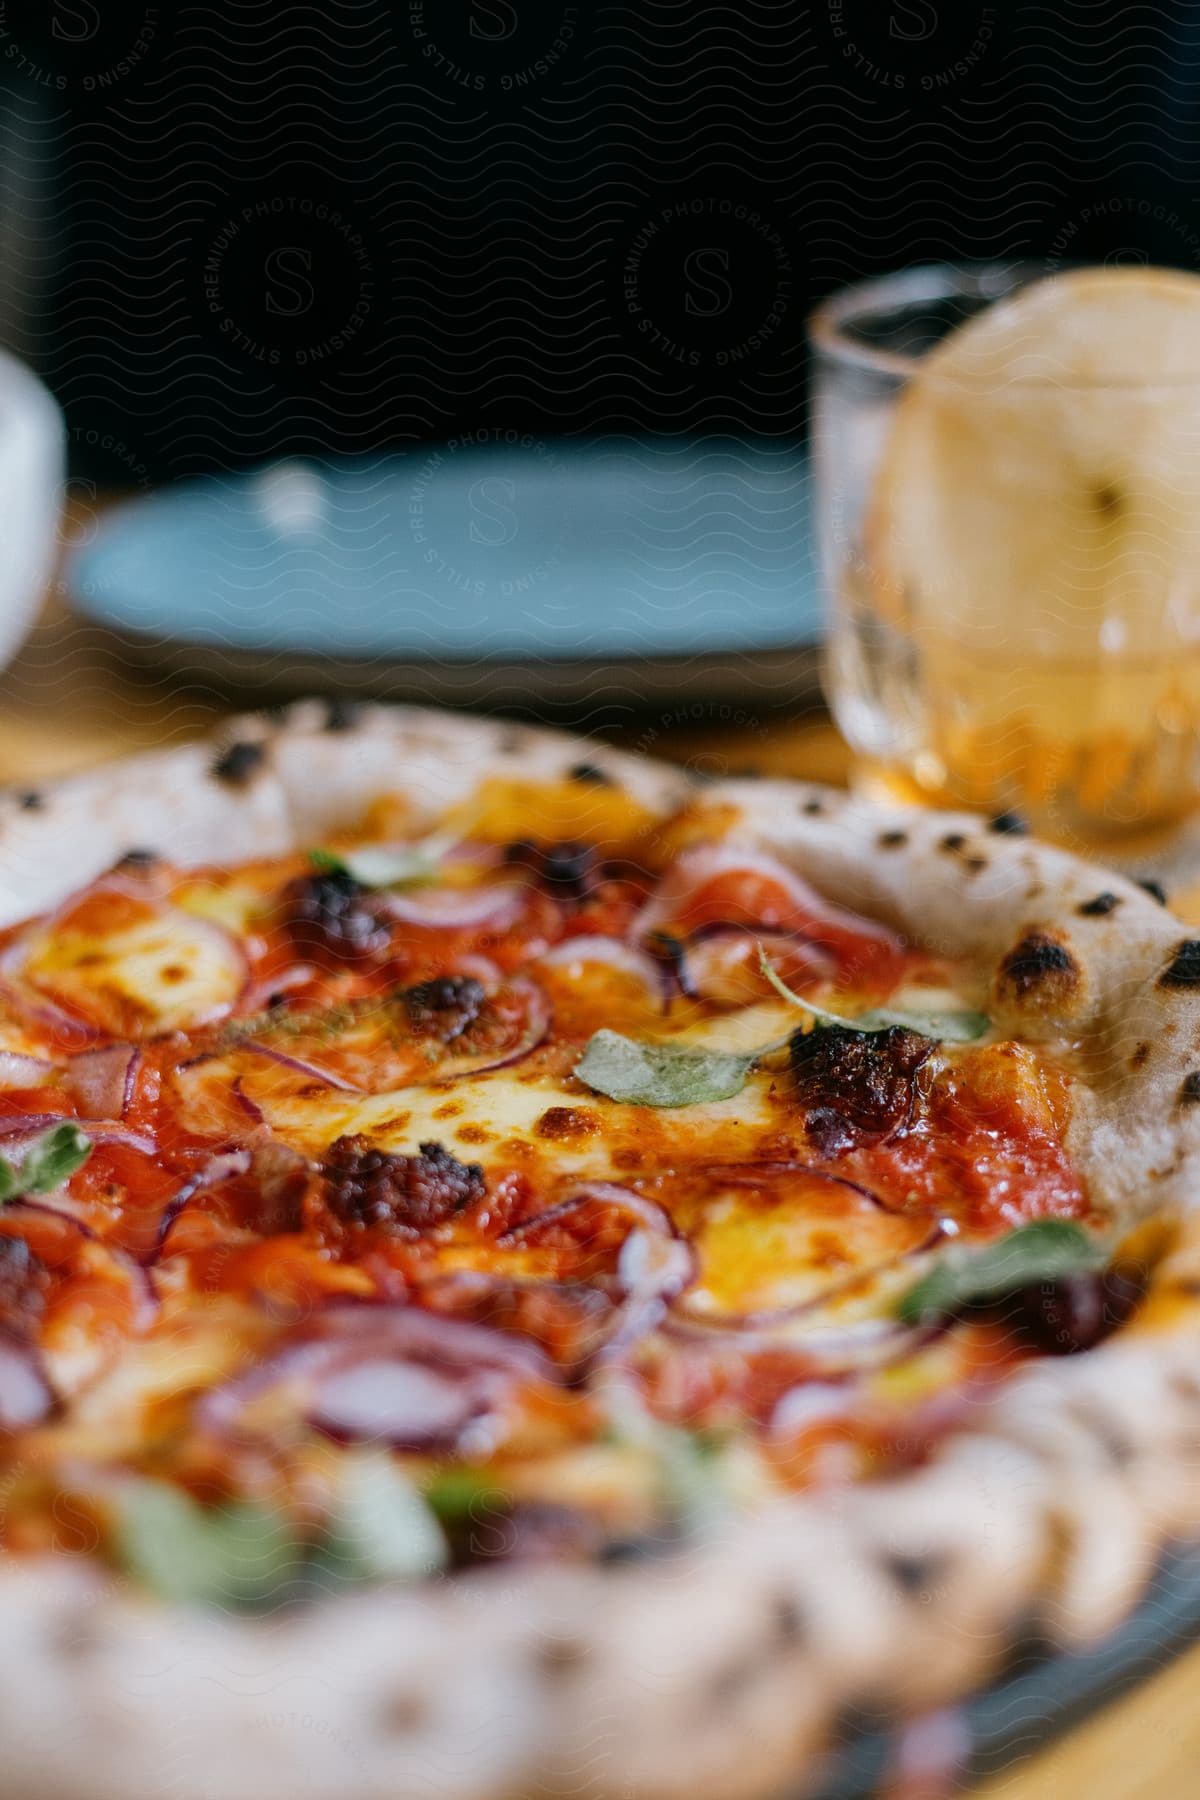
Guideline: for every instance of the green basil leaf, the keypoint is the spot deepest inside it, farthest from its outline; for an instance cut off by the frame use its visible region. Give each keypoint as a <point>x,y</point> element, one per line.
<point>689,1466</point>
<point>388,865</point>
<point>52,1159</point>
<point>1047,1250</point>
<point>10,1180</point>
<point>455,1495</point>
<point>234,1555</point>
<point>947,1027</point>
<point>382,1528</point>
<point>661,1074</point>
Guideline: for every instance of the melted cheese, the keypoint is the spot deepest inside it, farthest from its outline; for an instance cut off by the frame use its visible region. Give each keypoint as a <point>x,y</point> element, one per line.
<point>792,1243</point>
<point>502,1116</point>
<point>159,973</point>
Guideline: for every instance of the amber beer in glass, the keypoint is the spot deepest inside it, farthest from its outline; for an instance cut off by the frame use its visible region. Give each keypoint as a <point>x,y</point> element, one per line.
<point>987,653</point>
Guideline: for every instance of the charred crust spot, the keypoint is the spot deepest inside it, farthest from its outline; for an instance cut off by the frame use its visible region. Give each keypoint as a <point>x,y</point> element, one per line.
<point>403,1714</point>
<point>342,715</point>
<point>814,807</point>
<point>789,1620</point>
<point>1100,907</point>
<point>330,912</point>
<point>914,1574</point>
<point>1039,968</point>
<point>237,764</point>
<point>953,842</point>
<point>137,858</point>
<point>732,1680</point>
<point>444,1007</point>
<point>410,1193</point>
<point>856,1086</point>
<point>1009,824</point>
<point>1140,1053</point>
<point>1183,970</point>
<point>974,865</point>
<point>1155,889</point>
<point>567,1122</point>
<point>590,775</point>
<point>617,1553</point>
<point>1189,1092</point>
<point>561,1658</point>
<point>1107,500</point>
<point>77,1636</point>
<point>1118,1446</point>
<point>892,840</point>
<point>30,800</point>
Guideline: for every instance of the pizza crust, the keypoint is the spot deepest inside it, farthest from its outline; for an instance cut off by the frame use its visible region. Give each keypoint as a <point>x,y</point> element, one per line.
<point>718,1672</point>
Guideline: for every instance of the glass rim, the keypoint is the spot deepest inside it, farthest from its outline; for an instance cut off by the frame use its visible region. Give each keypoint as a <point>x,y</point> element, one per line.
<point>829,322</point>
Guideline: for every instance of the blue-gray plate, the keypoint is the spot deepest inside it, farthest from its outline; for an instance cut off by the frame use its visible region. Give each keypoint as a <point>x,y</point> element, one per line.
<point>496,558</point>
<point>1041,1696</point>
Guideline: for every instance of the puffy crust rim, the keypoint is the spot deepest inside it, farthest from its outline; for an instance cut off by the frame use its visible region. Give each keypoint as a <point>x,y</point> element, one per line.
<point>718,1672</point>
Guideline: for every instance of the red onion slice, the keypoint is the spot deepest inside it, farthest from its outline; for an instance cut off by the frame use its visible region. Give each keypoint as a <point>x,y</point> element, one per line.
<point>301,1066</point>
<point>627,959</point>
<point>718,959</point>
<point>413,1379</point>
<point>26,1397</point>
<point>455,909</point>
<point>807,910</point>
<point>62,1030</point>
<point>653,1264</point>
<point>652,1271</point>
<point>102,1082</point>
<point>645,1213</point>
<point>141,1280</point>
<point>406,1405</point>
<point>432,1336</point>
<point>19,1129</point>
<point>66,1031</point>
<point>223,1166</point>
<point>657,1266</point>
<point>488,973</point>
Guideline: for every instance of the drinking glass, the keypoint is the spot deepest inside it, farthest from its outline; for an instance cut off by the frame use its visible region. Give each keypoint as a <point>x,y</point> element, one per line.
<point>1071,698</point>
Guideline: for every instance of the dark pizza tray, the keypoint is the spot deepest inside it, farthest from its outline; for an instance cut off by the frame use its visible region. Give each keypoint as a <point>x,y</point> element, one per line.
<point>1040,1696</point>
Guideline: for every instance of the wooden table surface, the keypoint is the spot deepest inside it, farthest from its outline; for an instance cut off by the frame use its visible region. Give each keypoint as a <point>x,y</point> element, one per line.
<point>67,702</point>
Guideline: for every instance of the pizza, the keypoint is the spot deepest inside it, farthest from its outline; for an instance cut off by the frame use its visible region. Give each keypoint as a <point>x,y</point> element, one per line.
<point>522,1270</point>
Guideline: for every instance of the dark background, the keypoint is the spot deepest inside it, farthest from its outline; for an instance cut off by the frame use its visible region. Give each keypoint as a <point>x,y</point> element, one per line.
<point>245,227</point>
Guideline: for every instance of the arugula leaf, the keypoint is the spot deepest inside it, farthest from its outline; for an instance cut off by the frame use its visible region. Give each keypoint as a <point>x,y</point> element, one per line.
<point>690,1472</point>
<point>54,1158</point>
<point>388,865</point>
<point>244,1555</point>
<point>948,1027</point>
<point>236,1555</point>
<point>1047,1250</point>
<point>453,1494</point>
<point>382,1528</point>
<point>49,1161</point>
<point>661,1074</point>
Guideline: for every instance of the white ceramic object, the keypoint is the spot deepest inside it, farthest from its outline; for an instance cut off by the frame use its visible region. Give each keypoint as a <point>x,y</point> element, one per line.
<point>32,475</point>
